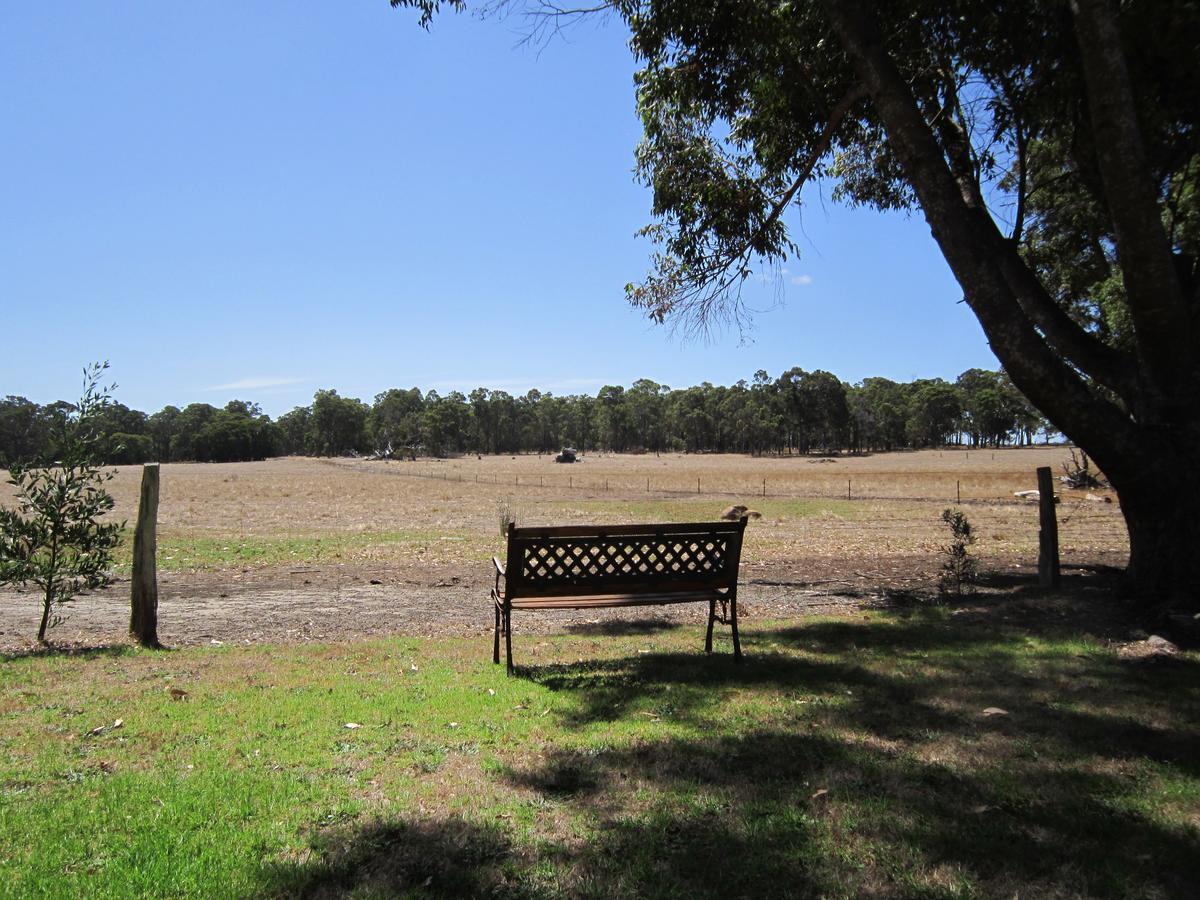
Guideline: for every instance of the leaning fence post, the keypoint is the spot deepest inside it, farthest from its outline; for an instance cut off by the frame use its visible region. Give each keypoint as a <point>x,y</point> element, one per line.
<point>143,598</point>
<point>1049,572</point>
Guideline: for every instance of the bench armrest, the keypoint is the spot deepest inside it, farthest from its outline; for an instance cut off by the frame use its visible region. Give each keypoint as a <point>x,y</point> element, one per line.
<point>499,572</point>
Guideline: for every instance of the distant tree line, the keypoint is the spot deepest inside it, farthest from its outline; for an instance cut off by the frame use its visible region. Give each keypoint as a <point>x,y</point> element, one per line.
<point>798,412</point>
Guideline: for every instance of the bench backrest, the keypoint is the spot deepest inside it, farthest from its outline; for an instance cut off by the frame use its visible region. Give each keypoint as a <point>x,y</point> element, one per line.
<point>636,559</point>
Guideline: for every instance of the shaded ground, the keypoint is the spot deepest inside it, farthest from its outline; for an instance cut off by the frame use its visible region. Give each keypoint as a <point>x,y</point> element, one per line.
<point>341,602</point>
<point>911,755</point>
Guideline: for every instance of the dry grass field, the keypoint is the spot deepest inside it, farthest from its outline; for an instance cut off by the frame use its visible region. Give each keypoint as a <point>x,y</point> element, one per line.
<point>317,548</point>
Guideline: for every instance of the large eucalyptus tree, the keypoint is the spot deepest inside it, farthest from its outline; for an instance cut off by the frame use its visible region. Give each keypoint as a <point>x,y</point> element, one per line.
<point>1052,149</point>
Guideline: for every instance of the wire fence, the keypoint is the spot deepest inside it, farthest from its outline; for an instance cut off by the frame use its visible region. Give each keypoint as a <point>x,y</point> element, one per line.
<point>1000,519</point>
<point>630,487</point>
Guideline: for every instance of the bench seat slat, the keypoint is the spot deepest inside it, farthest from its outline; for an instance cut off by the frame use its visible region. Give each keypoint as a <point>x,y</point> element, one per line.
<point>541,591</point>
<point>600,600</point>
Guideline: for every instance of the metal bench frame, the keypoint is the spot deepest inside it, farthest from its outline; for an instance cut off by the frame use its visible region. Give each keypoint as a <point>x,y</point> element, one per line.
<point>594,566</point>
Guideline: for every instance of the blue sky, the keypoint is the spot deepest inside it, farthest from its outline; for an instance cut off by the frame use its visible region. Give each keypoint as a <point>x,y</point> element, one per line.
<point>257,200</point>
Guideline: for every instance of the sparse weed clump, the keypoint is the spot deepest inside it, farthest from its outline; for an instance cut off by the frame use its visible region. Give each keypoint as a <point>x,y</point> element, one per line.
<point>959,568</point>
<point>506,513</point>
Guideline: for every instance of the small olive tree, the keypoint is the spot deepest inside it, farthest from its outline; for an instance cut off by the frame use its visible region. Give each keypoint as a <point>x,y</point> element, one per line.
<point>55,538</point>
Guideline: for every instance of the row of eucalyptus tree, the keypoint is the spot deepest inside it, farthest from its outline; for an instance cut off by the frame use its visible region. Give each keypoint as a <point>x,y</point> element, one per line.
<point>797,412</point>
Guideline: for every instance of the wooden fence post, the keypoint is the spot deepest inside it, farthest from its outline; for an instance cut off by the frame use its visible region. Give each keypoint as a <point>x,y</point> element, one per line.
<point>143,599</point>
<point>1049,573</point>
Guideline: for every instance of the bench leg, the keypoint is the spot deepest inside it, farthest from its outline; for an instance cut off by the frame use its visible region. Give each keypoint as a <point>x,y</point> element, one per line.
<point>712,615</point>
<point>496,643</point>
<point>737,644</point>
<point>508,637</point>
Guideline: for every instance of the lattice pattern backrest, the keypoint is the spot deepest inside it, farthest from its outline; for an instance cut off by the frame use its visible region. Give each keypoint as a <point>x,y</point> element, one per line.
<point>549,562</point>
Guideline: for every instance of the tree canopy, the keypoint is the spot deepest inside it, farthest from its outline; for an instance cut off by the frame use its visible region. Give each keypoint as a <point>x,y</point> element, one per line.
<point>796,412</point>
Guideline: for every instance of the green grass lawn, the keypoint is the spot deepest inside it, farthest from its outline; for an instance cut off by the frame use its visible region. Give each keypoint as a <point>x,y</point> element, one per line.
<point>842,757</point>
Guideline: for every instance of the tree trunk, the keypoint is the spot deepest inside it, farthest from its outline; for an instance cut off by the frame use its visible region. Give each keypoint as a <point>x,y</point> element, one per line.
<point>46,603</point>
<point>1147,455</point>
<point>1160,506</point>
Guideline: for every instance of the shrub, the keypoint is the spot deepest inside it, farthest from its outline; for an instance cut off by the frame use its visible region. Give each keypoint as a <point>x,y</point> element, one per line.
<point>54,538</point>
<point>959,570</point>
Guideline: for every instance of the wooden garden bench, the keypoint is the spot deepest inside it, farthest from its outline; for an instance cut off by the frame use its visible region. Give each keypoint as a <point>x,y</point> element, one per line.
<point>586,566</point>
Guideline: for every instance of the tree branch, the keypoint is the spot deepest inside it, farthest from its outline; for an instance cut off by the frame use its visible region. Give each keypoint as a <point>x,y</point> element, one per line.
<point>699,296</point>
<point>837,115</point>
<point>1022,146</point>
<point>1165,336</point>
<point>968,240</point>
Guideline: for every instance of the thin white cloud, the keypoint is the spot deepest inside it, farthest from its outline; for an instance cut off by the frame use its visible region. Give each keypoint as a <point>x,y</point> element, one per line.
<point>256,384</point>
<point>802,280</point>
<point>521,385</point>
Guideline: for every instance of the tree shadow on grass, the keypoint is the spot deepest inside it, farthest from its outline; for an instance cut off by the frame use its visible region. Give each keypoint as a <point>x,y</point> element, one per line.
<point>687,686</point>
<point>1085,604</point>
<point>1052,707</point>
<point>448,857</point>
<point>622,627</point>
<point>94,651</point>
<point>1073,704</point>
<point>768,813</point>
<point>1050,740</point>
<point>838,759</point>
<point>777,813</point>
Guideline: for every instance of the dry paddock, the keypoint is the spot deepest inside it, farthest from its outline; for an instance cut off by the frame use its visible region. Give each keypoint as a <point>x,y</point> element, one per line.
<point>307,549</point>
